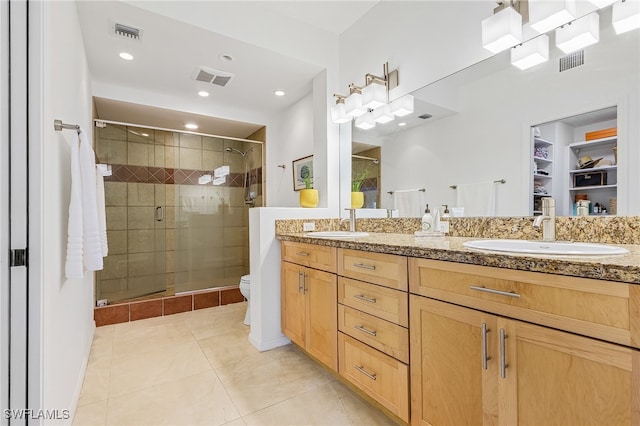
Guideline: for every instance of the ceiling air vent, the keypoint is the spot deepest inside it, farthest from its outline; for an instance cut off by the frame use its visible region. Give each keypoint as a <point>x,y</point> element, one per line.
<point>573,60</point>
<point>425,116</point>
<point>126,31</point>
<point>210,75</point>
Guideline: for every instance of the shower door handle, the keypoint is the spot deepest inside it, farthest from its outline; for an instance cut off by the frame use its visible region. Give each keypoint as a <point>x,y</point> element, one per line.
<point>159,214</point>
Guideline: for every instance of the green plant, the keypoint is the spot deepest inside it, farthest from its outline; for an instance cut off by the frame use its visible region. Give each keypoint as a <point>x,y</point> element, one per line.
<point>357,181</point>
<point>305,174</point>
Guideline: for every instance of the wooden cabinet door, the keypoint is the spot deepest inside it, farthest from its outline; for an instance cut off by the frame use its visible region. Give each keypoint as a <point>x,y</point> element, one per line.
<point>449,384</point>
<point>321,293</point>
<point>293,302</point>
<point>558,378</point>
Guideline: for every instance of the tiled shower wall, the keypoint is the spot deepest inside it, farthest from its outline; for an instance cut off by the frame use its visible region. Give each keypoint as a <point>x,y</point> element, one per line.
<point>166,233</point>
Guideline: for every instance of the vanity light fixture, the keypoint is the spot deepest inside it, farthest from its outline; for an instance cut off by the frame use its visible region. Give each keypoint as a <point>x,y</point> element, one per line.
<point>531,53</point>
<point>626,16</point>
<point>545,15</point>
<point>502,30</point>
<point>367,100</point>
<point>578,34</point>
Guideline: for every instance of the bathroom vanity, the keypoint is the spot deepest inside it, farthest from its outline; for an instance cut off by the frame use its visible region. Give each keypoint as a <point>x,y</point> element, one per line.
<point>439,334</point>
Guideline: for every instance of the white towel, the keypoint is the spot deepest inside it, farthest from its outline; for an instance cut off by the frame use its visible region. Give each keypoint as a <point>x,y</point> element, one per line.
<point>73,266</point>
<point>84,245</point>
<point>102,214</point>
<point>91,242</point>
<point>478,199</point>
<point>409,203</point>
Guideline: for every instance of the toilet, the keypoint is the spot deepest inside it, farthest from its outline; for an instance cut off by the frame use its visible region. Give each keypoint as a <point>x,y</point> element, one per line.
<point>245,289</point>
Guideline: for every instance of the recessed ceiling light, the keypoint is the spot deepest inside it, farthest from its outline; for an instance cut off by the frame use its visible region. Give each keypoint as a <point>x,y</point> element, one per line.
<point>146,135</point>
<point>191,126</point>
<point>402,124</point>
<point>278,93</point>
<point>126,56</point>
<point>203,93</point>
<point>225,58</point>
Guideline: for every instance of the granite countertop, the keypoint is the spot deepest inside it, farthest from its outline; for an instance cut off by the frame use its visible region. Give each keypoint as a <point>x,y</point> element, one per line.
<point>622,268</point>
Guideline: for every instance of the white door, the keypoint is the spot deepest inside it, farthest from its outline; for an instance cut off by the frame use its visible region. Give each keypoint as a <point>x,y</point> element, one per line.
<point>13,212</point>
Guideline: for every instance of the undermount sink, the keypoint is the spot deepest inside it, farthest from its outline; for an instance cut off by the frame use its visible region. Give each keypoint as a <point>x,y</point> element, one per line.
<point>543,247</point>
<point>336,234</point>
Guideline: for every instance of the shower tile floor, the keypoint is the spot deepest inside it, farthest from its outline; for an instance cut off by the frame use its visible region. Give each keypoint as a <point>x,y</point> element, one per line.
<point>198,368</point>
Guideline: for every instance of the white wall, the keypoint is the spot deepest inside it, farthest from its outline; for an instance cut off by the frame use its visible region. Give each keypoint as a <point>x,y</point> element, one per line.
<point>488,139</point>
<point>67,304</point>
<point>425,40</point>
<point>292,139</point>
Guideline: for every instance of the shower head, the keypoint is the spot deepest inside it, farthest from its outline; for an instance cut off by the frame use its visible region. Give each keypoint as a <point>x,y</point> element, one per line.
<point>237,151</point>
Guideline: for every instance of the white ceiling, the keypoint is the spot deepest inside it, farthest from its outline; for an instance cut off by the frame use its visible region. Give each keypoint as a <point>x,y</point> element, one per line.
<point>170,51</point>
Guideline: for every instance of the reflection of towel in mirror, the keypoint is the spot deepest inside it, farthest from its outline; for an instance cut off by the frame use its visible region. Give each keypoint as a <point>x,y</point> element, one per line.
<point>478,199</point>
<point>409,203</point>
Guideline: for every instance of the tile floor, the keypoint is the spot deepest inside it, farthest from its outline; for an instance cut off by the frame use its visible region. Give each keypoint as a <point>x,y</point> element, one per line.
<point>197,368</point>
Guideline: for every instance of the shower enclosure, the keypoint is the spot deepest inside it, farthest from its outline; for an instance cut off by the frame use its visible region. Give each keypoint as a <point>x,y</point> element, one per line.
<point>177,210</point>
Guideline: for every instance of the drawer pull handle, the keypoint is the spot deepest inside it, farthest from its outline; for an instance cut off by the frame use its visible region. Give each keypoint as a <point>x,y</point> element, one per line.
<point>485,357</point>
<point>361,369</point>
<point>365,266</point>
<point>365,298</point>
<point>302,253</point>
<point>366,330</point>
<point>494,291</point>
<point>503,355</point>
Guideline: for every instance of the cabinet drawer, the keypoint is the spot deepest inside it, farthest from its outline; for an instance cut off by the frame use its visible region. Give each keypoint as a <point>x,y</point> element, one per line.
<point>383,378</point>
<point>383,335</point>
<point>382,302</point>
<point>601,309</point>
<point>318,257</point>
<point>388,270</point>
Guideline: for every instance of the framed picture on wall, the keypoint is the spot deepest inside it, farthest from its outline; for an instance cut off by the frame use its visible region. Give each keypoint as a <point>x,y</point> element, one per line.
<point>302,173</point>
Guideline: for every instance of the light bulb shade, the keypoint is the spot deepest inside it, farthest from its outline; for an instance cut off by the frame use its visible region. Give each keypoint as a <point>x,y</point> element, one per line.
<point>365,122</point>
<point>383,114</point>
<point>338,114</point>
<point>374,95</point>
<point>353,105</point>
<point>531,53</point>
<point>402,106</point>
<point>545,15</point>
<point>601,3</point>
<point>578,34</point>
<point>626,16</point>
<point>502,30</point>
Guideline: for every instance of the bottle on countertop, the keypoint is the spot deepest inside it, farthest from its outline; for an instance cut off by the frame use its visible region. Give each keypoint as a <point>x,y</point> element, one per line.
<point>446,212</point>
<point>427,220</point>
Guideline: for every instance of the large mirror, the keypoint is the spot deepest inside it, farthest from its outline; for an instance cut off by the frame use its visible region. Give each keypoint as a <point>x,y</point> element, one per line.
<point>481,125</point>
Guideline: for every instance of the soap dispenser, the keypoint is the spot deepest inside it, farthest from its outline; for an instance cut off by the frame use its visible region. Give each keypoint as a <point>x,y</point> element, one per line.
<point>446,212</point>
<point>427,220</point>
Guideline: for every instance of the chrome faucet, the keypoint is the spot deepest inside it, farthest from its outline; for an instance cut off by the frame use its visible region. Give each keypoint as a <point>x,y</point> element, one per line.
<point>547,219</point>
<point>352,220</point>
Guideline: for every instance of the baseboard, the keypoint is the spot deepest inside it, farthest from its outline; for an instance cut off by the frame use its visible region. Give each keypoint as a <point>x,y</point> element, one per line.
<point>83,371</point>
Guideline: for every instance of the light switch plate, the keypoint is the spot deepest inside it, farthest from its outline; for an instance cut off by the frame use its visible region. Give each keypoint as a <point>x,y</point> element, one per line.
<point>308,226</point>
